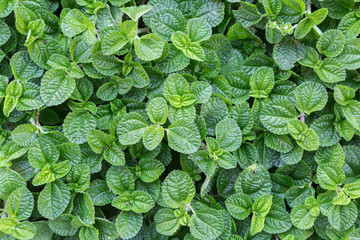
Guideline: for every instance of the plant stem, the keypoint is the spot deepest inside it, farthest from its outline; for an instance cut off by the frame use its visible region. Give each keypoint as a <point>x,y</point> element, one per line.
<point>318,30</point>
<point>190,207</point>
<point>143,30</point>
<point>302,117</point>
<point>308,6</point>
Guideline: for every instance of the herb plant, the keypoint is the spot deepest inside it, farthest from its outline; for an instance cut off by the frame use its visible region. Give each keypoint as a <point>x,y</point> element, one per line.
<point>179,119</point>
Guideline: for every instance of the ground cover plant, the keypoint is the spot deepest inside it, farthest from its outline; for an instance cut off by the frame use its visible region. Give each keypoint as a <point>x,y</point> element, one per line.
<point>179,119</point>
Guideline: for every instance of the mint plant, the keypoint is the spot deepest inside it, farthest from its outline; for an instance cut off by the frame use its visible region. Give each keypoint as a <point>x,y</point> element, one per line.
<point>179,119</point>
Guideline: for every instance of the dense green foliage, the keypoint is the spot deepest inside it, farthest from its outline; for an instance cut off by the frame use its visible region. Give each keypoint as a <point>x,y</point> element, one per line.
<point>179,119</point>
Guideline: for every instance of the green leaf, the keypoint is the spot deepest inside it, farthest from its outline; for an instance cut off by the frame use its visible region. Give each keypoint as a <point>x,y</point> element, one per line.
<point>53,199</point>
<point>272,7</point>
<point>342,217</point>
<point>149,47</point>
<point>211,11</point>
<point>23,67</point>
<point>149,170</point>
<point>278,219</point>
<point>88,233</point>
<point>177,189</point>
<point>202,91</point>
<point>77,125</point>
<point>58,61</point>
<point>183,137</point>
<point>254,181</point>
<point>228,135</point>
<point>330,70</point>
<point>175,60</point>
<point>74,23</point>
<point>98,140</point>
<point>120,179</point>
<point>319,15</point>
<point>62,225</point>
<point>239,205</point>
<point>157,110</point>
<point>84,208</point>
<point>128,224</point>
<point>227,160</point>
<point>280,143</point>
<point>194,51</point>
<point>106,65</point>
<point>153,136</point>
<point>131,128</point>
<point>297,195</point>
<point>20,230</point>
<point>343,93</point>
<point>325,129</point>
<point>330,176</point>
<point>199,29</point>
<point>257,224</point>
<point>311,58</point>
<point>349,25</point>
<point>5,34</point>
<point>20,204</point>
<point>9,181</point>
<point>79,178</point>
<point>13,93</point>
<point>301,217</point>
<point>107,229</point>
<point>42,152</point>
<point>112,40</point>
<point>24,134</point>
<point>166,221</point>
<point>262,205</point>
<point>7,7</point>
<point>331,43</point>
<point>207,224</point>
<point>305,137</point>
<point>30,98</point>
<point>352,113</point>
<point>7,225</point>
<point>136,12</point>
<point>23,16</point>
<point>11,151</point>
<point>310,97</point>
<point>56,87</point>
<point>276,114</point>
<point>287,53</point>
<point>100,193</point>
<point>303,28</point>
<point>352,189</point>
<point>337,9</point>
<point>334,154</point>
<point>137,201</point>
<point>248,14</point>
<point>167,21</point>
<point>180,40</point>
<point>262,82</point>
<point>114,155</point>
